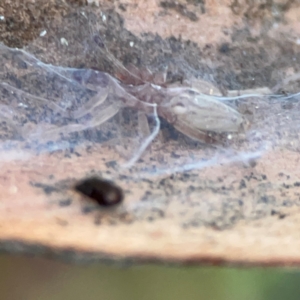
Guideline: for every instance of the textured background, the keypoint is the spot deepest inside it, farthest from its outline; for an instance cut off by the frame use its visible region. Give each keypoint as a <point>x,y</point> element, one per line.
<point>247,213</point>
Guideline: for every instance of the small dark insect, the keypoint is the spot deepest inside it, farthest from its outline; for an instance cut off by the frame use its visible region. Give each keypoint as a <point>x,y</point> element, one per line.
<point>104,192</point>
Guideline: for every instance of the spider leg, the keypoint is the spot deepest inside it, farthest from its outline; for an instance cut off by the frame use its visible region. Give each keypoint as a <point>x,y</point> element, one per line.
<point>144,129</point>
<point>55,132</point>
<point>88,107</point>
<point>104,116</point>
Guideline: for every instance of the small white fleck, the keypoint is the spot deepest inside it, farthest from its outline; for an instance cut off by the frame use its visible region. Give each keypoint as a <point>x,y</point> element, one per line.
<point>95,2</point>
<point>179,110</point>
<point>104,18</point>
<point>298,41</point>
<point>157,87</point>
<point>229,136</point>
<point>22,105</point>
<point>43,33</point>
<point>83,14</point>
<point>64,42</point>
<point>13,189</point>
<point>2,18</point>
<point>131,44</point>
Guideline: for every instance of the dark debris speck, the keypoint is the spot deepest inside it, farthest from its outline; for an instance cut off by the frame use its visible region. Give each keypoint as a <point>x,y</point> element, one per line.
<point>111,164</point>
<point>278,213</point>
<point>104,192</point>
<point>48,189</point>
<point>242,184</point>
<point>224,48</point>
<point>65,202</point>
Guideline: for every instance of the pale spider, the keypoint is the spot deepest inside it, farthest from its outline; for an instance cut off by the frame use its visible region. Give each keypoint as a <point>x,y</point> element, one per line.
<point>198,115</point>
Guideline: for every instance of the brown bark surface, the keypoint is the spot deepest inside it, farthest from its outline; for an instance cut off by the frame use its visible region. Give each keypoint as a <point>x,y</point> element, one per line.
<point>245,212</point>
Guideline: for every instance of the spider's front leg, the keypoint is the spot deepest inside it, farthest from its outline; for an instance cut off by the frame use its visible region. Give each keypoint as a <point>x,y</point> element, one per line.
<point>52,132</point>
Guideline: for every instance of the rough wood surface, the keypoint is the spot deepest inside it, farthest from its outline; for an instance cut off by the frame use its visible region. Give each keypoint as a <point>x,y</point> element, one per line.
<point>236,213</point>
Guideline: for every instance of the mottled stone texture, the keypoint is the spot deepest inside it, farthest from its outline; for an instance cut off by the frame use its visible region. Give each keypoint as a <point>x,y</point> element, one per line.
<point>245,212</point>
